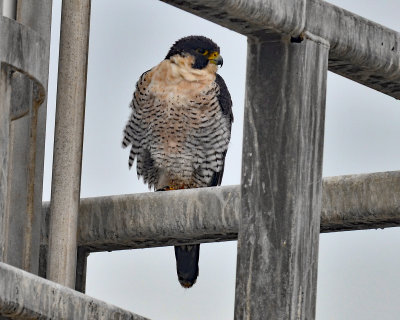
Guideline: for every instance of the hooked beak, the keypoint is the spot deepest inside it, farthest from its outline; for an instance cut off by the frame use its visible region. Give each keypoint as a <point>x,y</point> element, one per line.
<point>217,59</point>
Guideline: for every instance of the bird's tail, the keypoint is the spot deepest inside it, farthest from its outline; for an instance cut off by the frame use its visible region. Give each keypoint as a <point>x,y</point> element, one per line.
<point>187,264</point>
<point>187,259</point>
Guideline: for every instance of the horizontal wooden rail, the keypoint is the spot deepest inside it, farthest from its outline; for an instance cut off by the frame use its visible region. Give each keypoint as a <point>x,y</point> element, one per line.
<point>357,202</point>
<point>361,50</point>
<point>354,202</point>
<point>26,296</point>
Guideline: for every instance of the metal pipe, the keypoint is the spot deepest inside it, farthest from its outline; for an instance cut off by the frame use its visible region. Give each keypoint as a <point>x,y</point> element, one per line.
<point>67,158</point>
<point>10,9</point>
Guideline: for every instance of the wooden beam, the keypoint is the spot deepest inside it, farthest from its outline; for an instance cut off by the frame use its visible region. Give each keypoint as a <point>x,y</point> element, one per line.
<point>26,296</point>
<point>281,189</point>
<point>68,141</point>
<point>24,54</point>
<point>360,49</point>
<point>150,219</point>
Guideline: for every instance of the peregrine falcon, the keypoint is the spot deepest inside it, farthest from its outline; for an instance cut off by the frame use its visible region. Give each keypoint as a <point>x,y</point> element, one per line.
<point>180,126</point>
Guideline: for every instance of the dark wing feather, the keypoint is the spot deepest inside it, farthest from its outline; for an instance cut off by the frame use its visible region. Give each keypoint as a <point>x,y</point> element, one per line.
<point>225,102</point>
<point>224,98</point>
<point>133,125</point>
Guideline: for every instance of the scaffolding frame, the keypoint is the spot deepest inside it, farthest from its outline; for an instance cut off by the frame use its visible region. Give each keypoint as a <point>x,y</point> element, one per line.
<point>282,203</point>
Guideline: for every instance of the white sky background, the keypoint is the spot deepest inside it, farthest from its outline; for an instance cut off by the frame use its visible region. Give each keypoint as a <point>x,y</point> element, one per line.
<point>359,272</point>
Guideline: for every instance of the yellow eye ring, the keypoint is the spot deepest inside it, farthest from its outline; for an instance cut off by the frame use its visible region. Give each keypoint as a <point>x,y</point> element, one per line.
<point>213,55</point>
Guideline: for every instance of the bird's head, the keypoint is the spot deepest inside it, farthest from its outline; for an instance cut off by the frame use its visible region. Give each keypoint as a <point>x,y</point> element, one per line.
<point>203,51</point>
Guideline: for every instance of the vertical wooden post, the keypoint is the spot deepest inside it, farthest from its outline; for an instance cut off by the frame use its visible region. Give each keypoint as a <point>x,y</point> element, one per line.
<point>19,223</point>
<point>281,178</point>
<point>22,218</point>
<point>5,150</point>
<point>68,141</point>
<point>36,14</point>
<point>81,267</point>
<point>22,142</point>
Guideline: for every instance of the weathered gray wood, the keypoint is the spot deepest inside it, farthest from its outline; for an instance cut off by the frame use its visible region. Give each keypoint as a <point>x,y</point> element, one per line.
<point>250,17</point>
<point>24,50</point>
<point>36,14</point>
<point>360,49</point>
<point>355,202</point>
<point>18,149</point>
<point>21,49</point>
<point>281,179</point>
<point>26,296</point>
<point>5,115</point>
<point>156,219</point>
<point>81,266</point>
<point>68,140</point>
<point>22,132</point>
<point>81,263</point>
<point>21,100</point>
<point>5,107</point>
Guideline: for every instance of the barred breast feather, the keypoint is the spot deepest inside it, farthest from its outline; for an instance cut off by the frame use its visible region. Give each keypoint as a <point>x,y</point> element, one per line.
<point>179,128</point>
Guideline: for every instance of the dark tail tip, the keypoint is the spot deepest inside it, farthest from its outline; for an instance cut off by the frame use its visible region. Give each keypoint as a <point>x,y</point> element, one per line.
<point>187,264</point>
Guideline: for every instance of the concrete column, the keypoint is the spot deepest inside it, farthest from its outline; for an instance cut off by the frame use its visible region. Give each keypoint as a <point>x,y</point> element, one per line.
<point>281,178</point>
<point>67,159</point>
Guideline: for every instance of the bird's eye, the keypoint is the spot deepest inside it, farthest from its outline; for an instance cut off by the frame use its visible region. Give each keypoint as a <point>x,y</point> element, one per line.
<point>202,51</point>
